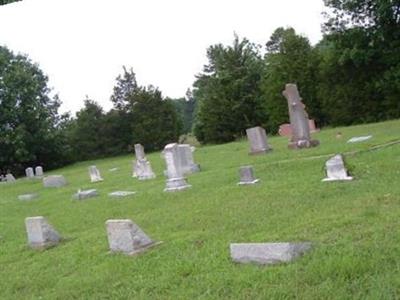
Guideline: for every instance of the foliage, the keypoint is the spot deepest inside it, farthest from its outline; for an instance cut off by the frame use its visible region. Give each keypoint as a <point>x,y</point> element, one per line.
<point>4,2</point>
<point>186,108</point>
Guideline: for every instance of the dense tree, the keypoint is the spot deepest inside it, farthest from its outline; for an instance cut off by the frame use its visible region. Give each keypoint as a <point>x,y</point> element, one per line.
<point>228,92</point>
<point>29,122</point>
<point>185,108</point>
<point>3,2</point>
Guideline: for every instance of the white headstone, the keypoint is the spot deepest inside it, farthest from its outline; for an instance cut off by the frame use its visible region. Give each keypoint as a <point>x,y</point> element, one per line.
<point>10,177</point>
<point>54,181</point>
<point>29,173</point>
<point>258,140</point>
<point>40,233</point>
<point>247,176</point>
<point>94,174</point>
<point>38,171</point>
<point>186,161</point>
<point>335,169</point>
<point>141,166</point>
<point>175,181</point>
<point>126,237</point>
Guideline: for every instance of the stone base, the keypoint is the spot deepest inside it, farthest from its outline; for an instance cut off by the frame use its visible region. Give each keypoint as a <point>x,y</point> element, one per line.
<point>248,182</point>
<point>143,249</point>
<point>348,178</point>
<point>96,180</point>
<point>303,144</point>
<point>259,152</point>
<point>145,176</point>
<point>176,184</point>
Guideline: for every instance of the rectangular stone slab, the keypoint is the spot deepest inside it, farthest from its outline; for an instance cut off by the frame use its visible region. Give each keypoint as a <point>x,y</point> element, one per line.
<point>81,195</point>
<point>267,253</point>
<point>121,194</point>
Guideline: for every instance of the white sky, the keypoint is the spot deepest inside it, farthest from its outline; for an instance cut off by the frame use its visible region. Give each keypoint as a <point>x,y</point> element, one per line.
<point>83,44</point>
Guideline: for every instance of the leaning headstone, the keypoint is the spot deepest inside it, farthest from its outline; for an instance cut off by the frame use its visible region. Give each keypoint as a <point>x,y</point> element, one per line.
<point>94,174</point>
<point>247,176</point>
<point>121,194</point>
<point>258,140</point>
<point>27,197</point>
<point>38,171</point>
<point>186,160</point>
<point>54,181</point>
<point>29,173</point>
<point>126,237</point>
<point>267,253</point>
<point>299,124</point>
<point>85,194</point>
<point>40,233</point>
<point>141,166</point>
<point>175,181</point>
<point>10,177</point>
<point>335,169</point>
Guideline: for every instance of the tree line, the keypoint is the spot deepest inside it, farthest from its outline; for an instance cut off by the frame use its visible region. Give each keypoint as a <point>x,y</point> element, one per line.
<point>351,76</point>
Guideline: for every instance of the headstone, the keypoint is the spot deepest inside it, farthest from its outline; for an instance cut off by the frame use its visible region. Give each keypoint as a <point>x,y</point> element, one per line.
<point>40,233</point>
<point>38,171</point>
<point>29,173</point>
<point>27,197</point>
<point>336,170</point>
<point>299,124</point>
<point>54,181</point>
<point>359,139</point>
<point>247,176</point>
<point>85,194</point>
<point>94,174</point>
<point>313,127</point>
<point>285,130</point>
<point>126,237</point>
<point>10,177</point>
<point>186,160</point>
<point>141,166</point>
<point>258,140</point>
<point>121,194</point>
<point>267,253</point>
<point>175,181</point>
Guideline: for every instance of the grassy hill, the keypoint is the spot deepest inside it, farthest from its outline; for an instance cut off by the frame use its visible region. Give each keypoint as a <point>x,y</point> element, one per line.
<point>354,226</point>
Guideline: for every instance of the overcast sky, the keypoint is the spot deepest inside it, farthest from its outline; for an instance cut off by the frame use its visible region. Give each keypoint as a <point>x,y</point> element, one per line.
<point>83,44</point>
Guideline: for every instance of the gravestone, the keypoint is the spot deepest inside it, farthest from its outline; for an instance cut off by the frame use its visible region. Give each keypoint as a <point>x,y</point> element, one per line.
<point>54,181</point>
<point>40,233</point>
<point>38,171</point>
<point>313,127</point>
<point>175,181</point>
<point>299,124</point>
<point>85,194</point>
<point>27,197</point>
<point>258,140</point>
<point>285,130</point>
<point>141,166</point>
<point>247,176</point>
<point>10,178</point>
<point>126,237</point>
<point>94,174</point>
<point>335,169</point>
<point>186,160</point>
<point>121,194</point>
<point>359,139</point>
<point>29,173</point>
<point>267,253</point>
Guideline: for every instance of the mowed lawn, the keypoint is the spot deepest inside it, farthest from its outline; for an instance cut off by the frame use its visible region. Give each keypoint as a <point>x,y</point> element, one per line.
<point>354,226</point>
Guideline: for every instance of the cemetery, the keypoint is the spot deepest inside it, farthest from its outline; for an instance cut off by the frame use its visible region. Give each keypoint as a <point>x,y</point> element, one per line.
<point>313,222</point>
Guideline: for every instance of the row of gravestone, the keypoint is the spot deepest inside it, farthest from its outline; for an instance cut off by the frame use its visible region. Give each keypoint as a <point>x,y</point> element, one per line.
<point>124,236</point>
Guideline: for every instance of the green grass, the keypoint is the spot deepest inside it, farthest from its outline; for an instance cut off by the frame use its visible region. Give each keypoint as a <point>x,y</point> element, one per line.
<point>354,227</point>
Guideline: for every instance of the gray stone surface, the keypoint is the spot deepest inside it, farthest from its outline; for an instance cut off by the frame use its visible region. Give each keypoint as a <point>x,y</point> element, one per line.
<point>10,178</point>
<point>267,253</point>
<point>27,197</point>
<point>94,174</point>
<point>335,169</point>
<point>258,140</point>
<point>141,166</point>
<point>139,152</point>
<point>39,171</point>
<point>29,173</point>
<point>186,160</point>
<point>126,237</point>
<point>175,181</point>
<point>246,175</point>
<point>54,181</point>
<point>121,194</point>
<point>40,233</point>
<point>85,194</point>
<point>299,124</point>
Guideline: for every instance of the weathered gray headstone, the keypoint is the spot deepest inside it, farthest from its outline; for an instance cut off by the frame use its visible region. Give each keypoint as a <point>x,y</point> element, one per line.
<point>247,176</point>
<point>186,161</point>
<point>301,137</point>
<point>38,171</point>
<point>267,253</point>
<point>29,173</point>
<point>94,174</point>
<point>258,140</point>
<point>54,181</point>
<point>175,181</point>
<point>27,197</point>
<point>126,237</point>
<point>40,233</point>
<point>85,194</point>
<point>121,194</point>
<point>335,169</point>
<point>10,177</point>
<point>141,166</point>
